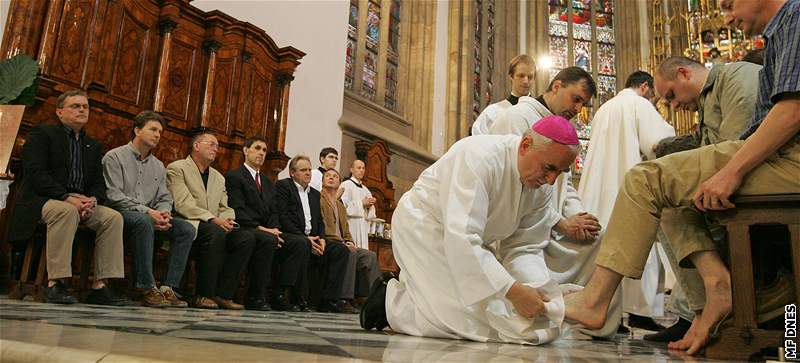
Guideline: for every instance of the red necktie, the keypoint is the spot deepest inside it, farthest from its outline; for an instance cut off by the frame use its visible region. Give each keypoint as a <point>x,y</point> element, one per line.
<point>258,181</point>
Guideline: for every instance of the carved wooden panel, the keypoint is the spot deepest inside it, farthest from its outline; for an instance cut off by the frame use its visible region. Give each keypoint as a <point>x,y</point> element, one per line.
<point>376,156</point>
<point>135,55</point>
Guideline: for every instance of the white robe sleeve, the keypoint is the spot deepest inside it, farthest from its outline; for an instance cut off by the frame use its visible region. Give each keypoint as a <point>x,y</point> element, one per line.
<point>464,201</point>
<point>652,129</point>
<point>482,123</point>
<point>533,233</point>
<point>512,121</point>
<point>572,201</point>
<point>353,200</point>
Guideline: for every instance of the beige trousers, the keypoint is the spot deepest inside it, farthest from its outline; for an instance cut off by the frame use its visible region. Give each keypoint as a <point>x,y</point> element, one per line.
<point>62,221</point>
<point>670,182</point>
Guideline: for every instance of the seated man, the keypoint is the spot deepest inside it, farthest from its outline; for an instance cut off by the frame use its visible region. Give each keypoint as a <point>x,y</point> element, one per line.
<point>765,161</point>
<point>362,264</point>
<point>62,185</point>
<point>299,213</point>
<point>328,158</point>
<point>485,188</point>
<point>724,97</point>
<point>137,188</point>
<point>360,204</point>
<point>222,249</point>
<point>252,197</point>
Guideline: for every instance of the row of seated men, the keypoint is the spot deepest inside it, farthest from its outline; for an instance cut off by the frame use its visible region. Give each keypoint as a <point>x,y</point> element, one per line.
<point>233,225</point>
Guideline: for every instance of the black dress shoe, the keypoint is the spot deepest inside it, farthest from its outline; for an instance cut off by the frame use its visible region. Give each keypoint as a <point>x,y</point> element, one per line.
<point>373,312</point>
<point>671,334</point>
<point>302,306</point>
<point>259,304</point>
<point>279,303</point>
<point>346,307</point>
<point>329,306</point>
<point>58,294</point>
<point>105,296</point>
<point>643,322</point>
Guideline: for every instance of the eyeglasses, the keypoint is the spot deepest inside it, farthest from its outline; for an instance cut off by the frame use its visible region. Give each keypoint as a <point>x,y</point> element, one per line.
<point>211,144</point>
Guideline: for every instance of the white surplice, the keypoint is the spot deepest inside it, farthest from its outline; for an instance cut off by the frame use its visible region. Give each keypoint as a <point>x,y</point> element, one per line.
<point>569,261</point>
<point>358,217</point>
<point>487,117</point>
<point>451,285</point>
<point>623,129</point>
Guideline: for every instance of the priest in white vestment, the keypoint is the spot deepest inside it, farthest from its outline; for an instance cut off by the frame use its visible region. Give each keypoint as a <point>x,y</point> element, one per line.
<point>522,74</point>
<point>360,204</point>
<point>485,188</point>
<point>624,128</point>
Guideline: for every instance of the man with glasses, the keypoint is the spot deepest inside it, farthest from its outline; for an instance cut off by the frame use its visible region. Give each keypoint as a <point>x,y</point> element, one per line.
<point>62,185</point>
<point>222,249</point>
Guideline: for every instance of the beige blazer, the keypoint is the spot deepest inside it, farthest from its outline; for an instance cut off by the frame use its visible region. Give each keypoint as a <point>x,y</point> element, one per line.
<point>194,202</point>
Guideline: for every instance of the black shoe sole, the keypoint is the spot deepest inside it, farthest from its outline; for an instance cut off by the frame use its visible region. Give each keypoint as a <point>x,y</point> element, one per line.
<point>378,288</point>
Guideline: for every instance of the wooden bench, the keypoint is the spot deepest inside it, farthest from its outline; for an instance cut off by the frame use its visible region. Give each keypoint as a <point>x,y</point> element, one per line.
<point>745,339</point>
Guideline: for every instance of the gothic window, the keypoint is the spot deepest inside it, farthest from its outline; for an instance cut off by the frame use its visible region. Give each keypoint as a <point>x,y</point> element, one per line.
<point>372,55</point>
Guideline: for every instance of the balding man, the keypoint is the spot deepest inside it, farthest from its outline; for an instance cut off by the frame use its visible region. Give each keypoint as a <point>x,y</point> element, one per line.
<point>485,188</point>
<point>360,204</point>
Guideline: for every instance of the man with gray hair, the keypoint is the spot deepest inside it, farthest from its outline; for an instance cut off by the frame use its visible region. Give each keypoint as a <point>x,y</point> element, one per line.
<point>484,189</point>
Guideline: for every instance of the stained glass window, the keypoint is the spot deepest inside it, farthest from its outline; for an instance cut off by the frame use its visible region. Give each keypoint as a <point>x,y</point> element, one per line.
<point>370,69</point>
<point>390,95</point>
<point>607,69</point>
<point>582,55</point>
<point>605,55</point>
<point>607,88</point>
<point>373,25</point>
<point>489,50</point>
<point>350,67</point>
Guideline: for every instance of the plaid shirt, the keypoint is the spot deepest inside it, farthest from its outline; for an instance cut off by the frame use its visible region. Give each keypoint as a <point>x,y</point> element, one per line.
<point>781,72</point>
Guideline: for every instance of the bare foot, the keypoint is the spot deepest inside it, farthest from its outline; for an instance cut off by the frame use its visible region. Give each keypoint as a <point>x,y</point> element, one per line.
<point>686,342</point>
<point>578,310</point>
<point>718,306</point>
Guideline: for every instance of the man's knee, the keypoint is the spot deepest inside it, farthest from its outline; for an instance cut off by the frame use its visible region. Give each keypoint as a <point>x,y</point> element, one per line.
<point>182,230</point>
<point>56,210</point>
<point>108,216</point>
<point>137,222</point>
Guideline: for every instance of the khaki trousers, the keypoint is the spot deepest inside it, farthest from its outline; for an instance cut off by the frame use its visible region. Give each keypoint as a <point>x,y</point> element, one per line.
<point>670,182</point>
<point>62,221</point>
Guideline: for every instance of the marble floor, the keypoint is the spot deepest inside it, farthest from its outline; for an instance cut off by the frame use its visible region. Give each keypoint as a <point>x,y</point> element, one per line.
<point>31,331</point>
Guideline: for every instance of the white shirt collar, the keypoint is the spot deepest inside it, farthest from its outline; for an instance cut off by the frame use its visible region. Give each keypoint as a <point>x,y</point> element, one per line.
<point>300,188</point>
<point>251,170</point>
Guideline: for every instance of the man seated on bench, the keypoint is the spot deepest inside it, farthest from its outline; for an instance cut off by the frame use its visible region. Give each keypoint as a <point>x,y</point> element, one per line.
<point>137,188</point>
<point>765,161</point>
<point>62,185</point>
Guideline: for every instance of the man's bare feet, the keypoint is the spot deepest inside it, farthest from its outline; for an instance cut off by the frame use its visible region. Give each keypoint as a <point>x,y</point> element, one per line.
<point>718,306</point>
<point>578,310</point>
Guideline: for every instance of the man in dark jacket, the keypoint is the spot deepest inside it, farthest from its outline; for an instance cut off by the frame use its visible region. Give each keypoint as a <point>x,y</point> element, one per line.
<point>299,213</point>
<point>62,186</point>
<point>252,197</point>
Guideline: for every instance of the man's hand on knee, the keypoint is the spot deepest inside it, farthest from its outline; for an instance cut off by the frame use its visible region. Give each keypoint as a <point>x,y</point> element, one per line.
<point>526,300</point>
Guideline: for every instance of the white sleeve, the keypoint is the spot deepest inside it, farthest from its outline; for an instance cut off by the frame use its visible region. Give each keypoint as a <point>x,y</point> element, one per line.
<point>652,129</point>
<point>482,123</point>
<point>352,200</point>
<point>464,201</point>
<point>533,233</point>
<point>572,201</point>
<point>512,121</point>
<point>316,180</point>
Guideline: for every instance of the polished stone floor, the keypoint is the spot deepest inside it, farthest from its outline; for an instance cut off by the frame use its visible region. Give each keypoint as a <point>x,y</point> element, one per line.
<point>31,331</point>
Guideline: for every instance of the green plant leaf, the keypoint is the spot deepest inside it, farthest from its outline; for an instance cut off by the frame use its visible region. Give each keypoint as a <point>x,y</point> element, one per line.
<point>16,74</point>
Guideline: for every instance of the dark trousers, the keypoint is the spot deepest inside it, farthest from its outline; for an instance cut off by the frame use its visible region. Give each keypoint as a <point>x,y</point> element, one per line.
<point>221,259</point>
<point>291,259</point>
<point>331,267</point>
<point>260,267</point>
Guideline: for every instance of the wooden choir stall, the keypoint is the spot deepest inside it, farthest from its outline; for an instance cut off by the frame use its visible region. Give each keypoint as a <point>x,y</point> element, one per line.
<point>376,157</point>
<point>200,70</point>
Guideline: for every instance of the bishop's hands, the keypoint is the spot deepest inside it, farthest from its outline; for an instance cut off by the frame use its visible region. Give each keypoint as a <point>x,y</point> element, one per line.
<point>527,301</point>
<point>582,227</point>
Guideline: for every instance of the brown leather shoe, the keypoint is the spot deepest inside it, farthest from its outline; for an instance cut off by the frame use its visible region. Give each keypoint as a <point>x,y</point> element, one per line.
<point>227,304</point>
<point>205,303</point>
<point>154,299</point>
<point>173,299</point>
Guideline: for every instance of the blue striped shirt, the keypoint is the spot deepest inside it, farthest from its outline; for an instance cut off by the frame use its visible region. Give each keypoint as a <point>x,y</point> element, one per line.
<point>781,72</point>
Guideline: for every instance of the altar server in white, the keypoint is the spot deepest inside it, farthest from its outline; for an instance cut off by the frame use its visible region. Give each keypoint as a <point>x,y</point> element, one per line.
<point>360,204</point>
<point>522,74</point>
<point>485,188</point>
<point>623,129</point>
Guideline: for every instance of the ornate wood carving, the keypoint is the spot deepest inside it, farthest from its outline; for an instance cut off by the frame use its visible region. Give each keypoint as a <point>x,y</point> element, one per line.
<point>199,69</point>
<point>377,156</point>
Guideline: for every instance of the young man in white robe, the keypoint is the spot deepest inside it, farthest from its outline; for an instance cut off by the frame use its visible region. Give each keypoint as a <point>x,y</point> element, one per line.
<point>485,188</point>
<point>522,74</point>
<point>360,204</point>
<point>328,158</point>
<point>624,128</point>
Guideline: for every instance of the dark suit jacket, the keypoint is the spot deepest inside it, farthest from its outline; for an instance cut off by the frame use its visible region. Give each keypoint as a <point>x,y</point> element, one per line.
<point>45,161</point>
<point>290,209</point>
<point>252,208</point>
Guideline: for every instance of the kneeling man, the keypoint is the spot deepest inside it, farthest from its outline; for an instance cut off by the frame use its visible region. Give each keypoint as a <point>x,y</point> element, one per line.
<point>485,188</point>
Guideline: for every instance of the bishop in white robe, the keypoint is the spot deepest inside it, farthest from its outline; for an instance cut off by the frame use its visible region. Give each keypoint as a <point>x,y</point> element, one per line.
<point>485,188</point>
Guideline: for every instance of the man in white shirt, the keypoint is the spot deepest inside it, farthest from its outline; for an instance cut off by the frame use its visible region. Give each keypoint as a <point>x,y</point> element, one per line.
<point>485,188</point>
<point>522,74</point>
<point>360,204</point>
<point>328,158</point>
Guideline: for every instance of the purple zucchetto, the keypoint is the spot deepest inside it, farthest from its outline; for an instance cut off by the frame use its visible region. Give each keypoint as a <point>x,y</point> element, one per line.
<point>556,128</point>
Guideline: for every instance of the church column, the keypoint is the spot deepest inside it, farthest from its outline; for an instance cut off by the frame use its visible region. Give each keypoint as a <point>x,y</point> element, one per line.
<point>628,42</point>
<point>536,34</point>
